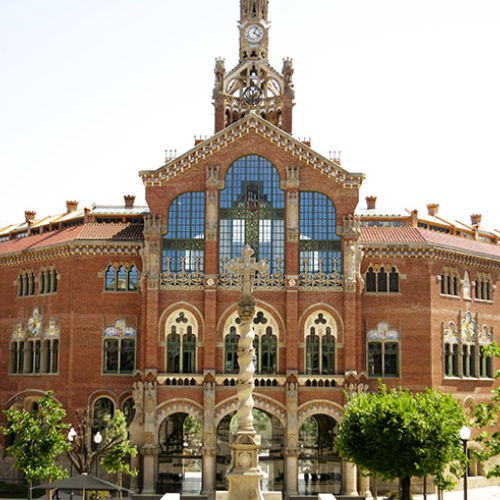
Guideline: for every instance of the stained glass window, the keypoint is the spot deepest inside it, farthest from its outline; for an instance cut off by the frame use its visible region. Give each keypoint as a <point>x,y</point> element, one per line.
<point>252,210</point>
<point>318,233</point>
<point>185,240</point>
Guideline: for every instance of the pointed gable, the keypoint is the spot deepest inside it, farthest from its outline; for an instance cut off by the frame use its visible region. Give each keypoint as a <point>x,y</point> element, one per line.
<point>240,131</point>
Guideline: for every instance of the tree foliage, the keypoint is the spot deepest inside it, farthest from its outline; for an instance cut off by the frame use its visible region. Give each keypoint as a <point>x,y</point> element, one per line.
<point>39,438</point>
<point>396,434</point>
<point>116,446</point>
<point>486,416</point>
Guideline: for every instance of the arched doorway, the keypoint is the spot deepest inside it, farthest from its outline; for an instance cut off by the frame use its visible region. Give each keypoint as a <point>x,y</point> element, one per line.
<point>270,452</point>
<point>179,461</point>
<point>320,466</point>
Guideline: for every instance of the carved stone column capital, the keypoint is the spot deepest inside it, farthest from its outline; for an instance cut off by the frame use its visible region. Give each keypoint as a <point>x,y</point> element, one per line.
<point>292,180</point>
<point>351,227</point>
<point>212,180</point>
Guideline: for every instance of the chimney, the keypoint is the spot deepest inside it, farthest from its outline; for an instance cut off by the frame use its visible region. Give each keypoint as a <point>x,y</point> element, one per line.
<point>371,202</point>
<point>29,216</point>
<point>475,219</point>
<point>71,206</point>
<point>433,209</point>
<point>129,200</point>
<point>414,218</point>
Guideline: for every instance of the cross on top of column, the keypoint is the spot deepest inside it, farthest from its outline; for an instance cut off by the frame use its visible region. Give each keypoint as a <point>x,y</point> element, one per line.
<point>246,267</point>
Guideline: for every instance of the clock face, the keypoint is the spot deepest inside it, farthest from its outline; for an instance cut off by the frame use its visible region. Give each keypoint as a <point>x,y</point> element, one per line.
<point>254,33</point>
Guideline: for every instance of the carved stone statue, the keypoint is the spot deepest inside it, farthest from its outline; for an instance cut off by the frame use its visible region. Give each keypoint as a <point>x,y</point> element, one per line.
<point>212,204</point>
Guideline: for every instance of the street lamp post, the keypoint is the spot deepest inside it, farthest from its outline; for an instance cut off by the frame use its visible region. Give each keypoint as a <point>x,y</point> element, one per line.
<point>97,441</point>
<point>464,436</point>
<point>71,438</point>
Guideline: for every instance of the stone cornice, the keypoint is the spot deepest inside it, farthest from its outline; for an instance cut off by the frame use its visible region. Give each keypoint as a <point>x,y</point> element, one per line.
<point>251,123</point>
<point>429,251</point>
<point>68,249</point>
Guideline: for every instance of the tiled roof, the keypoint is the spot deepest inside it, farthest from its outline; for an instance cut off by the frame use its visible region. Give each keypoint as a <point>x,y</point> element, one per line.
<point>391,235</point>
<point>423,237</point>
<point>114,232</point>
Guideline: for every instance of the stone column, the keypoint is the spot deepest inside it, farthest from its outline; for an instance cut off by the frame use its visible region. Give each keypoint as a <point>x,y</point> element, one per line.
<point>292,451</point>
<point>364,486</point>
<point>150,457</point>
<point>209,450</point>
<point>150,448</point>
<point>291,470</point>
<point>350,479</point>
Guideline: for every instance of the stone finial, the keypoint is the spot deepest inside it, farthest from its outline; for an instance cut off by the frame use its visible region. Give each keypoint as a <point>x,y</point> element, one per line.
<point>29,216</point>
<point>219,71</point>
<point>71,206</point>
<point>129,200</point>
<point>475,219</point>
<point>433,209</point>
<point>371,202</point>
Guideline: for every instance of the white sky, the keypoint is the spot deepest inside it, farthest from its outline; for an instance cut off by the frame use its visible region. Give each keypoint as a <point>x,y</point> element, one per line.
<point>93,91</point>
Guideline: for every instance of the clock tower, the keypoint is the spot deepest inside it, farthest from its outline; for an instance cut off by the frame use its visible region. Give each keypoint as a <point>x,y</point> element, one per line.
<point>254,84</point>
<point>254,29</point>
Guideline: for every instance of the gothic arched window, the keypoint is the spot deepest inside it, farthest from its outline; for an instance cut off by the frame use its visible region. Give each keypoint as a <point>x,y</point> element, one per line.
<point>103,408</point>
<point>318,233</point>
<point>268,352</point>
<point>185,240</point>
<point>252,211</point>
<point>173,351</point>
<point>370,280</point>
<point>320,332</point>
<point>312,353</point>
<point>133,277</point>
<point>181,331</point>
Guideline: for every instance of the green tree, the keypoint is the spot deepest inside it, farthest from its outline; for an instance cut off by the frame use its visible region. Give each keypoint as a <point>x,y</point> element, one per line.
<point>398,434</point>
<point>39,438</point>
<point>486,415</point>
<point>117,450</point>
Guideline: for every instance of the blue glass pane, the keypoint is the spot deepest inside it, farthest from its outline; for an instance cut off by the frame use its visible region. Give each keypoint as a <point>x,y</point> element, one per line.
<point>185,239</point>
<point>319,241</point>
<point>252,210</point>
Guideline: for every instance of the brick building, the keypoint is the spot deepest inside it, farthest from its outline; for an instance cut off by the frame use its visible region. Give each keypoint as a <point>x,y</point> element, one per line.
<point>132,307</point>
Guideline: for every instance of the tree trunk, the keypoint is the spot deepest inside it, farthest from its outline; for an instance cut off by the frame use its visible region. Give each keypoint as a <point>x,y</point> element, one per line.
<point>30,485</point>
<point>405,488</point>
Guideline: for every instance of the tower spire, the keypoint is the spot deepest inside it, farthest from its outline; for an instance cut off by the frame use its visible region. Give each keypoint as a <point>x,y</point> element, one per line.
<point>255,10</point>
<point>254,83</point>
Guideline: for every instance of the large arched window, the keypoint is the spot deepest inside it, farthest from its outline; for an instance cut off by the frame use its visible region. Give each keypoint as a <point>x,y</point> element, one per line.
<point>320,332</point>
<point>181,331</point>
<point>252,210</point>
<point>319,241</point>
<point>183,245</point>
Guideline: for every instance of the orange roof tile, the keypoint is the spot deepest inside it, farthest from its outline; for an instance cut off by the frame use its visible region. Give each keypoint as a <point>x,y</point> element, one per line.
<point>412,235</point>
<point>116,232</point>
